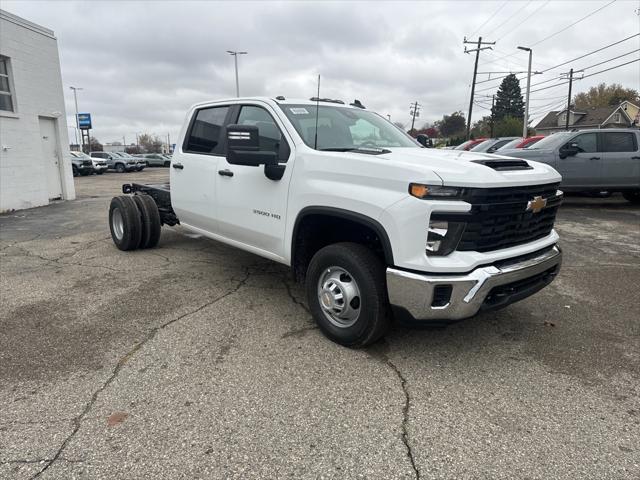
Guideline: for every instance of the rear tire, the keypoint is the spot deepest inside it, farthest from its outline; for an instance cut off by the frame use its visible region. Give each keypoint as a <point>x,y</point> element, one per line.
<point>150,220</point>
<point>125,223</point>
<point>100,172</point>
<point>633,197</point>
<point>347,294</point>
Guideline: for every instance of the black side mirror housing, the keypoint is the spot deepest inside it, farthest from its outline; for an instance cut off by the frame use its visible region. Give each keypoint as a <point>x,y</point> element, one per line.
<point>243,147</point>
<point>425,141</point>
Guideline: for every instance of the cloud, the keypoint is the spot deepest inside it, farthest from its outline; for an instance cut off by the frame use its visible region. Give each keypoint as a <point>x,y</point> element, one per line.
<point>142,64</point>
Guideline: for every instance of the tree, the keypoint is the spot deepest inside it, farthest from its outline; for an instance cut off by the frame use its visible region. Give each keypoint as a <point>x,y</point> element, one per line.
<point>481,128</point>
<point>606,95</point>
<point>509,101</point>
<point>400,125</point>
<point>150,143</point>
<point>453,124</point>
<point>95,145</point>
<point>508,127</point>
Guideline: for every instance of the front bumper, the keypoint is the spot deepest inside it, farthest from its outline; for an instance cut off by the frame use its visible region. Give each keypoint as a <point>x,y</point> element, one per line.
<point>453,297</point>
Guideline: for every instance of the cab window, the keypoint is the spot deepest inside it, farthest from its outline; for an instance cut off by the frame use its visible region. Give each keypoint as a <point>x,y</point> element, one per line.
<point>205,134</point>
<point>619,142</point>
<point>271,138</point>
<point>587,142</point>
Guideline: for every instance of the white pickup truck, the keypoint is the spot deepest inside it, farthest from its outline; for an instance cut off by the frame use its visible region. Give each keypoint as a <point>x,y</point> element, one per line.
<point>376,226</point>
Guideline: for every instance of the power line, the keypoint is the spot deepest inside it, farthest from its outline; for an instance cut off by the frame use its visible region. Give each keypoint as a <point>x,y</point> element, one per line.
<point>509,19</point>
<point>489,19</point>
<point>563,29</point>
<point>613,58</point>
<point>591,53</point>
<point>523,20</point>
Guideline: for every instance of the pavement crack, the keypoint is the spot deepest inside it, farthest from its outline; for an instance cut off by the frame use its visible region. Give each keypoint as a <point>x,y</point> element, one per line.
<point>378,352</point>
<point>77,421</point>
<point>294,299</point>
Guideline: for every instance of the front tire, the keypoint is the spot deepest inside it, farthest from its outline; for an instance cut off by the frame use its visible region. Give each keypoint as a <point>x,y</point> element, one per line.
<point>633,197</point>
<point>347,295</point>
<point>120,168</point>
<point>125,223</point>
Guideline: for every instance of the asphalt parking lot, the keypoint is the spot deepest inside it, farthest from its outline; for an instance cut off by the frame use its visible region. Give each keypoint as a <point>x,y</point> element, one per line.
<point>196,360</point>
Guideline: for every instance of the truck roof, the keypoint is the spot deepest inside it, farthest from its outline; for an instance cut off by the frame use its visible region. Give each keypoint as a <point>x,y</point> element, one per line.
<point>288,101</point>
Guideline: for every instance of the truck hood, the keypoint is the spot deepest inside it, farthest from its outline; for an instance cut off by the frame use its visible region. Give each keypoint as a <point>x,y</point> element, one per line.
<point>459,168</point>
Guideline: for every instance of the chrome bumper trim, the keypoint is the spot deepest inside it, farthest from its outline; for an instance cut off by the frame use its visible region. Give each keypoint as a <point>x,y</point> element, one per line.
<point>414,291</point>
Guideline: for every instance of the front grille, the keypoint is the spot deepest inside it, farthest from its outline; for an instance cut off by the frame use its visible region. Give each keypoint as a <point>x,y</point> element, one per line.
<point>498,218</point>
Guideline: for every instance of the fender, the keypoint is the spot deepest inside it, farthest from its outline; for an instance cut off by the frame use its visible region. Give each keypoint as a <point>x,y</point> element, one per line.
<point>347,215</point>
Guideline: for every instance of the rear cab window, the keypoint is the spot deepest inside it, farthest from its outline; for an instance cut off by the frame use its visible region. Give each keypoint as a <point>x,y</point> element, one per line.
<point>619,142</point>
<point>205,134</point>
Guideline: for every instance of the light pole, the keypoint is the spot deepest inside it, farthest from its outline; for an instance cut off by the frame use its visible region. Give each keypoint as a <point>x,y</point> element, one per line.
<point>235,54</point>
<point>526,106</point>
<point>75,98</point>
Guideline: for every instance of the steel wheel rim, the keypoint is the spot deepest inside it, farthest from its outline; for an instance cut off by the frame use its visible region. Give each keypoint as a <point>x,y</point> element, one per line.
<point>339,297</point>
<point>118,223</point>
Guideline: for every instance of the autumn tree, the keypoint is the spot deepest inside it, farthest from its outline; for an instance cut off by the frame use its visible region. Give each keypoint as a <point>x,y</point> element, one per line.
<point>605,95</point>
<point>509,101</point>
<point>150,143</point>
<point>95,145</point>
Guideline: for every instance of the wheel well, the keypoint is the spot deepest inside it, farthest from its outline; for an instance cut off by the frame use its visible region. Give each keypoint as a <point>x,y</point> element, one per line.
<point>318,228</point>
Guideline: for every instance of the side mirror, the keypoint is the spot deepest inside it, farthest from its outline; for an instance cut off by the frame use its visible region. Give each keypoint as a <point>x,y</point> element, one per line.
<point>423,140</point>
<point>491,150</point>
<point>243,147</point>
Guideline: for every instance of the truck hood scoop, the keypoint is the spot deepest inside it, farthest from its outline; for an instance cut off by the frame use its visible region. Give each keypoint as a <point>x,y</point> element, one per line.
<point>503,165</point>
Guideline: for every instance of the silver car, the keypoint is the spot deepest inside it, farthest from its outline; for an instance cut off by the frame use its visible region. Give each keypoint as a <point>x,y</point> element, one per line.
<point>591,160</point>
<point>490,145</point>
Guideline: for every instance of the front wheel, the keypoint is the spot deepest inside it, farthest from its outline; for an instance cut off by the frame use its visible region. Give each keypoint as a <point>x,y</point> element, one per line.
<point>633,197</point>
<point>167,164</point>
<point>346,292</point>
<point>120,168</point>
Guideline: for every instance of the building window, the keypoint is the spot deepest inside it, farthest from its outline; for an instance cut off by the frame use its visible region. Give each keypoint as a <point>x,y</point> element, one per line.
<point>616,118</point>
<point>6,96</point>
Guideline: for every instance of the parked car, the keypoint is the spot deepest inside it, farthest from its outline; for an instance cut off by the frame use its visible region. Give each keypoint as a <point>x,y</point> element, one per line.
<point>81,164</point>
<point>140,164</point>
<point>116,162</point>
<point>469,144</point>
<point>375,226</point>
<point>591,160</point>
<point>156,160</point>
<point>527,142</point>
<point>511,144</point>
<point>99,165</point>
<point>490,145</point>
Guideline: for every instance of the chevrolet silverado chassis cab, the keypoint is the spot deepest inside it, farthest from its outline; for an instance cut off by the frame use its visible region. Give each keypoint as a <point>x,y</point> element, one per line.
<point>374,225</point>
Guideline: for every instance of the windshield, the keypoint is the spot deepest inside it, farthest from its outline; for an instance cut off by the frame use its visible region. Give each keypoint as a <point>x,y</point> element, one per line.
<point>511,144</point>
<point>482,146</point>
<point>81,155</point>
<point>552,140</point>
<point>463,145</point>
<point>341,128</point>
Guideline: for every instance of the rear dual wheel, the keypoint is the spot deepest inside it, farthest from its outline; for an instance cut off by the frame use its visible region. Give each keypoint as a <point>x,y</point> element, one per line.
<point>134,222</point>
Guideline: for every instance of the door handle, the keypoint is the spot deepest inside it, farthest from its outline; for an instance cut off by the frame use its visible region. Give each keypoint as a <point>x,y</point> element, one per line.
<point>225,173</point>
<point>594,158</point>
<point>179,166</point>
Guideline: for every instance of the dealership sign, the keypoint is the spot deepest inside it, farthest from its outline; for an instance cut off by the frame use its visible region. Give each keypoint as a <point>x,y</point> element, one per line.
<point>84,121</point>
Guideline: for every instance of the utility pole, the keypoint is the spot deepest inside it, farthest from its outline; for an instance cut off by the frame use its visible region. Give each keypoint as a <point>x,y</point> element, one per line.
<point>235,54</point>
<point>75,98</point>
<point>525,129</point>
<point>493,102</point>
<point>414,112</point>
<point>569,75</point>
<point>478,49</point>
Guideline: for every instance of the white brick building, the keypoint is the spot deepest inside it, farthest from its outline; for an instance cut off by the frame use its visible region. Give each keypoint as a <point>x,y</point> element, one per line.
<point>35,165</point>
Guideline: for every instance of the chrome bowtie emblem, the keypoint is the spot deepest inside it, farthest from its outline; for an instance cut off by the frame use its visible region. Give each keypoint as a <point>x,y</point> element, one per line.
<point>536,205</point>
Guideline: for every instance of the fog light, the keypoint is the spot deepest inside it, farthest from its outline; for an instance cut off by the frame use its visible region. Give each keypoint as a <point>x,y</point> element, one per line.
<point>443,237</point>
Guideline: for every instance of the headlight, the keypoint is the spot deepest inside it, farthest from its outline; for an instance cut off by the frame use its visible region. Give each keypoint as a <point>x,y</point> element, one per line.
<point>419,190</point>
<point>443,236</point>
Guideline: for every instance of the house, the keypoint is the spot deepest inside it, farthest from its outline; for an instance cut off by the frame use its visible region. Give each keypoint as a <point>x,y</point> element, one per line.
<point>35,165</point>
<point>621,116</point>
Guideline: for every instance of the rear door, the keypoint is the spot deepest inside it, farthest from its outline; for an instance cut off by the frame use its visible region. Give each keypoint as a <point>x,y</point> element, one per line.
<point>584,169</point>
<point>194,169</point>
<point>251,207</point>
<point>620,159</point>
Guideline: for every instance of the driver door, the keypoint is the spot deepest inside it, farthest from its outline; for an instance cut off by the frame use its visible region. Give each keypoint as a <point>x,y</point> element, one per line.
<point>585,167</point>
<point>251,208</point>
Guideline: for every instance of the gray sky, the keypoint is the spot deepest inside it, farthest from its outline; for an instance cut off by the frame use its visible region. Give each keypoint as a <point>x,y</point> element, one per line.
<point>143,63</point>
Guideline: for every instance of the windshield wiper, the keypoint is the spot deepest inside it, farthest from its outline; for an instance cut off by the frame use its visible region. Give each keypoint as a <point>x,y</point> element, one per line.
<point>367,150</point>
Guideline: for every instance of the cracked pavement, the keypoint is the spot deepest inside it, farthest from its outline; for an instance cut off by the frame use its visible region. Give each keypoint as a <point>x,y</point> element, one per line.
<point>196,360</point>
